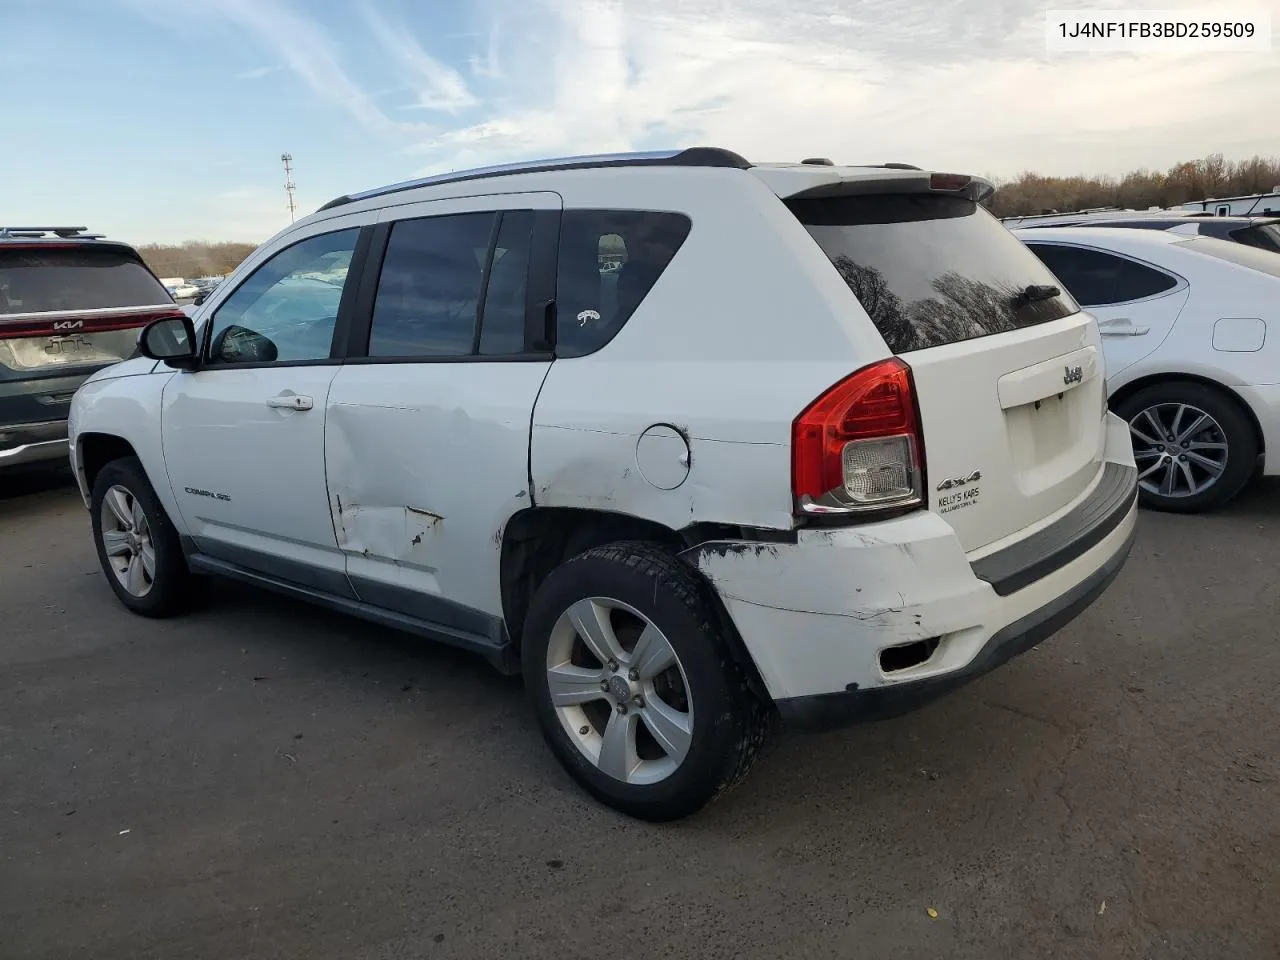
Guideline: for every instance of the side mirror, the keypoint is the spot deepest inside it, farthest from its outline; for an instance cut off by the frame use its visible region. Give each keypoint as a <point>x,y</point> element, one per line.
<point>200,298</point>
<point>171,339</point>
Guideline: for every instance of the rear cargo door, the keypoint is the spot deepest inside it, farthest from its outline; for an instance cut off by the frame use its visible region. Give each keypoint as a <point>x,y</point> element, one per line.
<point>68,308</point>
<point>1009,374</point>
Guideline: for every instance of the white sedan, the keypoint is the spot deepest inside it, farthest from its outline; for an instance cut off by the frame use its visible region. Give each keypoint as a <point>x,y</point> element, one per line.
<point>1191,335</point>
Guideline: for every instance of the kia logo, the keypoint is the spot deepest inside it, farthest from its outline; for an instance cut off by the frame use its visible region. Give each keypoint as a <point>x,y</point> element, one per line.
<point>68,324</point>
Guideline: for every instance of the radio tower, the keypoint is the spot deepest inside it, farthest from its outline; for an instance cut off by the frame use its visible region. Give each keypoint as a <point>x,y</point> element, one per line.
<point>287,159</point>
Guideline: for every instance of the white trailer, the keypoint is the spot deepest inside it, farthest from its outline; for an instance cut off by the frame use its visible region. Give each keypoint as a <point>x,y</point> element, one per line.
<point>1257,205</point>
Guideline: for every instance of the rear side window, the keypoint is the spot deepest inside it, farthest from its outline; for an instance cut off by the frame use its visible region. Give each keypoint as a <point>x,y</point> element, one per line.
<point>1098,279</point>
<point>930,269</point>
<point>454,286</point>
<point>609,261</point>
<point>429,292</point>
<point>34,280</point>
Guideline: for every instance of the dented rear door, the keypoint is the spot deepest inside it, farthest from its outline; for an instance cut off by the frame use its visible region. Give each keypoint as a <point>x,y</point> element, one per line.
<point>427,426</point>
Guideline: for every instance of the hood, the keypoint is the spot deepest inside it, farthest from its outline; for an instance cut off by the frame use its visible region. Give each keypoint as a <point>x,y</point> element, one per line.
<point>125,368</point>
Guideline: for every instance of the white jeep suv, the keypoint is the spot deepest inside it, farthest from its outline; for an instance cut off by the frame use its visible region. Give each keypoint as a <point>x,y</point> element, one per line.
<point>687,440</point>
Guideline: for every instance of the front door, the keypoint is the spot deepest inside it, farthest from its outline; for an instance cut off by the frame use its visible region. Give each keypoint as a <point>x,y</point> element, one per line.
<point>244,434</point>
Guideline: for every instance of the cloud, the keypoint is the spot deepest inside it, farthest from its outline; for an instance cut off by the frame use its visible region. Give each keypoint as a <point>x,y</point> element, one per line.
<point>257,73</point>
<point>439,87</point>
<point>921,81</point>
<point>301,43</point>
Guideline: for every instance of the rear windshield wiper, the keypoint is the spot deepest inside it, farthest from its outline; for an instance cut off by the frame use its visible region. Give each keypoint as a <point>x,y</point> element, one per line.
<point>1035,293</point>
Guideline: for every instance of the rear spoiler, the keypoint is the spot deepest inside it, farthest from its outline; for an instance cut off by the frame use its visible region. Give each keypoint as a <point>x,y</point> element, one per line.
<point>62,323</point>
<point>816,181</point>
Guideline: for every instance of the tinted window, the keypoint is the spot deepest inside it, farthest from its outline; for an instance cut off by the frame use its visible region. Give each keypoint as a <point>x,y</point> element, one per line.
<point>502,320</point>
<point>429,291</point>
<point>34,280</point>
<point>1265,236</point>
<point>1263,261</point>
<point>1097,279</point>
<point>930,269</point>
<point>609,261</point>
<point>288,307</point>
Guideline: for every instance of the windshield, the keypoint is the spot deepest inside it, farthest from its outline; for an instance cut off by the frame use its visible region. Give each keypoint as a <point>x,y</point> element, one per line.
<point>931,269</point>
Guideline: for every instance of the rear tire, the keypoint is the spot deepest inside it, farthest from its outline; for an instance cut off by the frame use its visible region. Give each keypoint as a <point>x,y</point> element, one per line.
<point>138,546</point>
<point>1194,446</point>
<point>650,712</point>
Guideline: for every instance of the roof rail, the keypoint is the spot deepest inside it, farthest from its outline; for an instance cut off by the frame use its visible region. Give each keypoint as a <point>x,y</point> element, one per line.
<point>898,166</point>
<point>690,157</point>
<point>33,233</point>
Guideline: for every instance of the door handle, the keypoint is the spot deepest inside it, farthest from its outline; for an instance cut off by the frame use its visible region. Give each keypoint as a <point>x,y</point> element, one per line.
<point>1120,327</point>
<point>291,401</point>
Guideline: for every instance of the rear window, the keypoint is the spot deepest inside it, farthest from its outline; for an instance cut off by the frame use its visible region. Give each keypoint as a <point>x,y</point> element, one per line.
<point>1263,261</point>
<point>34,280</point>
<point>930,269</point>
<point>1264,236</point>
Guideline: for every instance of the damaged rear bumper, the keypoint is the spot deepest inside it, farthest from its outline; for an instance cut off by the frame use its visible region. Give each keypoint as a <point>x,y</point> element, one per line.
<point>862,622</point>
<point>877,703</point>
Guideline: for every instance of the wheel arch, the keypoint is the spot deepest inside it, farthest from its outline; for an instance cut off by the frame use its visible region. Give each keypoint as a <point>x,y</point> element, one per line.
<point>1131,387</point>
<point>537,540</point>
<point>94,450</point>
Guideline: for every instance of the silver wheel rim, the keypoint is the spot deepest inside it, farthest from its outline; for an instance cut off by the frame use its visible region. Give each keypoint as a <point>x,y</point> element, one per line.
<point>126,541</point>
<point>620,691</point>
<point>1181,451</point>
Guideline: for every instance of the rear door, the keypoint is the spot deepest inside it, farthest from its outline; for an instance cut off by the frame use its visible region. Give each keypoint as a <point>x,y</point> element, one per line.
<point>427,433</point>
<point>1009,376</point>
<point>1136,303</point>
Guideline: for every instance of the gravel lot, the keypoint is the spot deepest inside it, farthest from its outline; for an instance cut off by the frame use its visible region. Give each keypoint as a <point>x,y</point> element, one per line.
<point>264,779</point>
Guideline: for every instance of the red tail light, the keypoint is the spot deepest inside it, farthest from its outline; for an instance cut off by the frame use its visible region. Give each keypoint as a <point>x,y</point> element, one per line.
<point>70,322</point>
<point>859,447</point>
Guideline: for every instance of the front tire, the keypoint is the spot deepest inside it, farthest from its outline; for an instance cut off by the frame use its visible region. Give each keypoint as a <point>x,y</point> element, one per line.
<point>634,684</point>
<point>138,546</point>
<point>1194,446</point>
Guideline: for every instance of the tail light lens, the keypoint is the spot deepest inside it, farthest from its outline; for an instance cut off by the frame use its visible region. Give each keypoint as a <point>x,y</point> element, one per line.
<point>859,449</point>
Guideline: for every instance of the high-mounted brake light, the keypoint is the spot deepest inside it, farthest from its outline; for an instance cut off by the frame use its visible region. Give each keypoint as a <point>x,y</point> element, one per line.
<point>949,181</point>
<point>859,447</point>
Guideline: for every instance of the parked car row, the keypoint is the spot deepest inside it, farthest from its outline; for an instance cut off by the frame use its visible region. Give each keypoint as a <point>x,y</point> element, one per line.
<point>893,469</point>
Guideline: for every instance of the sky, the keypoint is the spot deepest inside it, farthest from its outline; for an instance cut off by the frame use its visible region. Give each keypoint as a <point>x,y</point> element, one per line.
<point>164,120</point>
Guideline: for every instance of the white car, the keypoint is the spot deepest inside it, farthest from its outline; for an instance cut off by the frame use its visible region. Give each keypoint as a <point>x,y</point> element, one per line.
<point>801,453</point>
<point>1191,330</point>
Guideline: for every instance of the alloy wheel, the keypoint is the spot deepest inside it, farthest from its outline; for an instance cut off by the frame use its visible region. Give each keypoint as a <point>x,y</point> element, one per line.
<point>126,541</point>
<point>619,691</point>
<point>1180,450</point>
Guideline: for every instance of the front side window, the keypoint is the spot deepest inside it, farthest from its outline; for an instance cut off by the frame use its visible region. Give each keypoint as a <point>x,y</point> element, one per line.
<point>287,309</point>
<point>1098,279</point>
<point>609,261</point>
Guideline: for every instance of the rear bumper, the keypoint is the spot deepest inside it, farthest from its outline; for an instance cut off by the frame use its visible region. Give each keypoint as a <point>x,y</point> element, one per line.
<point>867,621</point>
<point>1265,403</point>
<point>25,443</point>
<point>878,703</point>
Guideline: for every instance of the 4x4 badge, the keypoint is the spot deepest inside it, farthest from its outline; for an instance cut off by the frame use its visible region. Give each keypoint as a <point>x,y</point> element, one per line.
<point>952,482</point>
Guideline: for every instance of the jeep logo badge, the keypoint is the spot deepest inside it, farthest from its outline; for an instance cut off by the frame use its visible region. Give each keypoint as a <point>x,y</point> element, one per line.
<point>1072,375</point>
